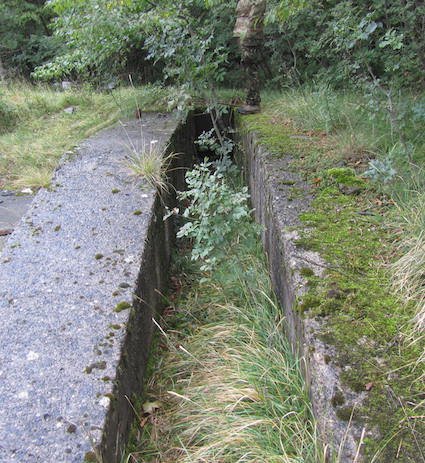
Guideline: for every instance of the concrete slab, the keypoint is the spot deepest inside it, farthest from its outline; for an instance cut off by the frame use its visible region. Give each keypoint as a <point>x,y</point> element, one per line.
<point>77,293</point>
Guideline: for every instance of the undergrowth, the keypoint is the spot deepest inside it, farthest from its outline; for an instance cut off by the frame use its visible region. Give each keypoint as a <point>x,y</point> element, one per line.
<point>224,383</point>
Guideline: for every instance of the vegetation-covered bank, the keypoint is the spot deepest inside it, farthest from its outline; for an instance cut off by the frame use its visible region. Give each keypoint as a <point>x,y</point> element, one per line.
<point>357,222</point>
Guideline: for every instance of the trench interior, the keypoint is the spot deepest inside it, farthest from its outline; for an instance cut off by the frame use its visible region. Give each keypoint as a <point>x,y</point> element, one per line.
<point>198,122</point>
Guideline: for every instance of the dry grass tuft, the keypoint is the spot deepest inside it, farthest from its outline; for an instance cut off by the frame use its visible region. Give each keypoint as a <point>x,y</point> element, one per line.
<point>231,388</point>
<point>151,163</point>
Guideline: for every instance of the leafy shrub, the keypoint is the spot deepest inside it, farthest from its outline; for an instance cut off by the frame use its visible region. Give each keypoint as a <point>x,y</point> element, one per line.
<point>215,211</point>
<point>381,170</point>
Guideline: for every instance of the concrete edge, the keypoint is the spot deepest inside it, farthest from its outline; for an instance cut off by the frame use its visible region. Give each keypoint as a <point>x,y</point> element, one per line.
<point>148,300</point>
<point>269,178</point>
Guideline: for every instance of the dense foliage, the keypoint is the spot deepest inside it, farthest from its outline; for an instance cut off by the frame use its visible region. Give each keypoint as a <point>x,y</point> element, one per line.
<point>184,39</point>
<point>344,41</point>
<point>25,38</point>
<point>337,42</point>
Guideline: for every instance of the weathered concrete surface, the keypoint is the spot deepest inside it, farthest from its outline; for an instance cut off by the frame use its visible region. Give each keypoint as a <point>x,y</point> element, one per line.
<point>270,181</point>
<point>70,355</point>
<point>12,208</point>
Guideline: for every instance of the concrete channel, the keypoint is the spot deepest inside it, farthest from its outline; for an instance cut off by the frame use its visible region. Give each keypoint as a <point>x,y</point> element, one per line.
<point>81,280</point>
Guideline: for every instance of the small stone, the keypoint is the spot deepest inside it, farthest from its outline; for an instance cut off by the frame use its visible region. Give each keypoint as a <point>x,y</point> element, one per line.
<point>104,401</point>
<point>27,191</point>
<point>32,355</point>
<point>69,110</point>
<point>71,428</point>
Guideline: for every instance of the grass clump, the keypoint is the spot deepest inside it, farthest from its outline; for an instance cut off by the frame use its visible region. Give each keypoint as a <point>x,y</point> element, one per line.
<point>229,387</point>
<point>151,163</point>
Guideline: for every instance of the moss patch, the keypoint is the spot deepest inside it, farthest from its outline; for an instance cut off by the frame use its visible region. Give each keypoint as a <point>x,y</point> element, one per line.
<point>122,306</point>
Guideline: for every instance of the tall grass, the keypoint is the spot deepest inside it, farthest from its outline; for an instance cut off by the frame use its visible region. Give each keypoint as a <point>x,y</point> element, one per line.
<point>409,269</point>
<point>229,387</point>
<point>39,132</point>
<point>359,124</point>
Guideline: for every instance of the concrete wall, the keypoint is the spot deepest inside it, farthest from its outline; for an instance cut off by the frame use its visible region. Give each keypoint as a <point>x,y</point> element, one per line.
<point>271,181</point>
<point>70,355</point>
<point>152,283</point>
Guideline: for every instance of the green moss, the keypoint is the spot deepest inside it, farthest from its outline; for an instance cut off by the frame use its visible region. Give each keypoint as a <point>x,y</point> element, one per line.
<point>115,191</point>
<point>310,301</point>
<point>277,138</point>
<point>90,457</point>
<point>71,428</point>
<point>57,228</point>
<point>341,174</point>
<point>138,212</point>
<point>98,256</point>
<point>345,413</point>
<point>338,399</point>
<point>122,306</point>
<point>363,317</point>
<point>306,272</point>
<point>95,366</point>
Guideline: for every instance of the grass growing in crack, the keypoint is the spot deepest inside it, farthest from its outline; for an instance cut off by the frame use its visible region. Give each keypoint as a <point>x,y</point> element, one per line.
<point>151,164</point>
<point>226,383</point>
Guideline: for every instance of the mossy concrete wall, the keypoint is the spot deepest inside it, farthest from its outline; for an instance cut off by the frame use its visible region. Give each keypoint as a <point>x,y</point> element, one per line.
<point>279,196</point>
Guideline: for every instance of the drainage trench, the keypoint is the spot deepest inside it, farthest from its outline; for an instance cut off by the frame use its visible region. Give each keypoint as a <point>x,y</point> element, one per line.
<point>278,212</point>
<point>279,216</point>
<point>78,295</point>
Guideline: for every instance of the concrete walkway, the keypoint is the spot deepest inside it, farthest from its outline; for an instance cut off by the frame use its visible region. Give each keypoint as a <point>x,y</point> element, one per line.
<point>69,272</point>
